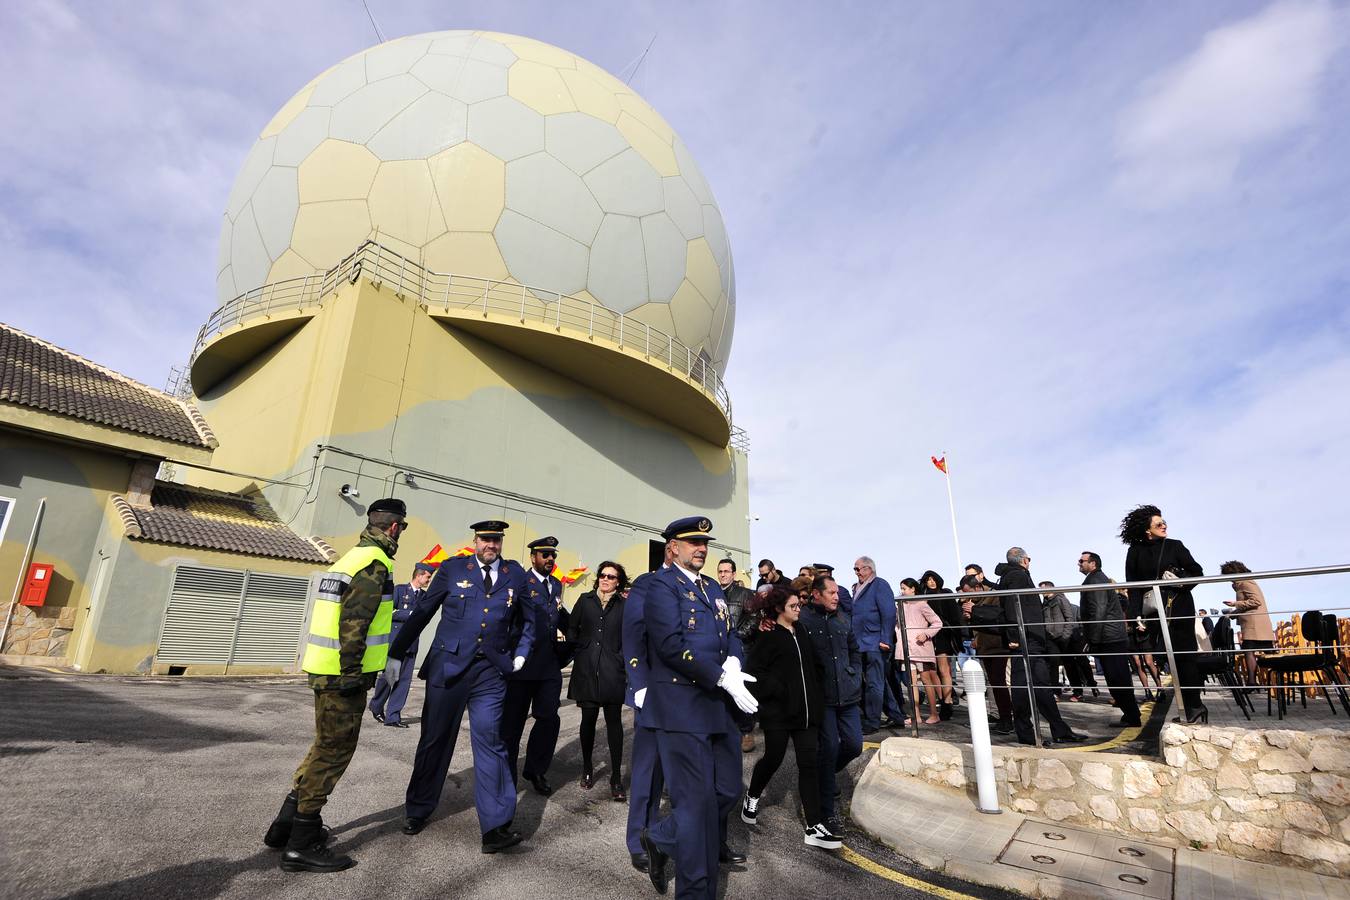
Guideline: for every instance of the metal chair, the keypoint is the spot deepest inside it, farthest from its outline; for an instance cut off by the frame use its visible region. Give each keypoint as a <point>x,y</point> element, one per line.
<point>1290,667</point>
<point>1219,664</point>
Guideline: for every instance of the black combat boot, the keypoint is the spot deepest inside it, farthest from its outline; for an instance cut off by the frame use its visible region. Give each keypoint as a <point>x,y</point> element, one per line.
<point>279,832</point>
<point>305,851</point>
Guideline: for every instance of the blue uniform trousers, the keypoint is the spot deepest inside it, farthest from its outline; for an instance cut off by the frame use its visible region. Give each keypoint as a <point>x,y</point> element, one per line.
<point>389,702</point>
<point>480,688</point>
<point>840,744</point>
<point>521,695</point>
<point>644,796</point>
<point>703,772</point>
<point>877,696</point>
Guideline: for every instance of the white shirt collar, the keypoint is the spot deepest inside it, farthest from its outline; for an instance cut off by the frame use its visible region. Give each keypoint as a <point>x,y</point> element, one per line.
<point>688,574</point>
<point>495,565</point>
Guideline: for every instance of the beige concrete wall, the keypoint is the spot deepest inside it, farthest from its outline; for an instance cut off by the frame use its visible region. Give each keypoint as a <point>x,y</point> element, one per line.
<point>77,483</point>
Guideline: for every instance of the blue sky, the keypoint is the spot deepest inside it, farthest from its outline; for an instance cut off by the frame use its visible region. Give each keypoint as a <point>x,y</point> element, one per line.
<point>1099,253</point>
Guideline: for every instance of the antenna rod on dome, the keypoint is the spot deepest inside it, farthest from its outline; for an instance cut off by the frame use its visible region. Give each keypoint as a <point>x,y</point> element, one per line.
<point>640,59</point>
<point>379,34</point>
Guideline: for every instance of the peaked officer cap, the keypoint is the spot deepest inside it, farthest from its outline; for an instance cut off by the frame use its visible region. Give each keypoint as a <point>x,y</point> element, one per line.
<point>389,505</point>
<point>822,567</point>
<point>691,528</point>
<point>543,543</point>
<point>489,528</point>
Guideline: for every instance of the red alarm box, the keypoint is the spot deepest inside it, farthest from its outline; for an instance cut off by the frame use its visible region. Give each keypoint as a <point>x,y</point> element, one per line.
<point>36,584</point>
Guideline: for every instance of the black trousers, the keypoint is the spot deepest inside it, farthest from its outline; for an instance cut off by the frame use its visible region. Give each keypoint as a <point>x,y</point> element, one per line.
<point>614,732</point>
<point>1187,674</point>
<point>1116,668</point>
<point>805,742</point>
<point>1044,690</point>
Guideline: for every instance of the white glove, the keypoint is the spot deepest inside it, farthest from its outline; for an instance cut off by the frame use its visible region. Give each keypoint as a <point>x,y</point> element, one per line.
<point>639,697</point>
<point>732,664</point>
<point>518,664</point>
<point>734,684</point>
<point>392,668</point>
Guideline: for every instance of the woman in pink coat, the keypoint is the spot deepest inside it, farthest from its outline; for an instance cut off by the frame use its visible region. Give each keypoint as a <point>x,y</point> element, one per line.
<point>922,625</point>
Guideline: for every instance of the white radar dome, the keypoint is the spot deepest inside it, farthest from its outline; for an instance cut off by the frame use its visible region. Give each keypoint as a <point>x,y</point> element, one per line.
<point>494,156</point>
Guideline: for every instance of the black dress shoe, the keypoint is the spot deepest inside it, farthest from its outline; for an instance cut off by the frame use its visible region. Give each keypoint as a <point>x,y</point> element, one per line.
<point>1126,723</point>
<point>377,716</point>
<point>639,861</point>
<point>727,858</point>
<point>1003,728</point>
<point>414,824</point>
<point>395,725</point>
<point>656,863</point>
<point>541,785</point>
<point>587,781</point>
<point>1072,737</point>
<point>500,838</point>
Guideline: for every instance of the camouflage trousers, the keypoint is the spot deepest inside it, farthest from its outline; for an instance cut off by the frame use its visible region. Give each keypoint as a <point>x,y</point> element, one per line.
<point>337,725</point>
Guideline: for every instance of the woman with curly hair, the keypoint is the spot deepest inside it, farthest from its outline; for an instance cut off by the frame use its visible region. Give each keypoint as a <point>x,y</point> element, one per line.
<point>599,680</point>
<point>1153,555</point>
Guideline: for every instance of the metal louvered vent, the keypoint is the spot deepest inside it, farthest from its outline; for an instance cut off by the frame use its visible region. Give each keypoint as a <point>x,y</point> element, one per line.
<point>225,617</point>
<point>199,622</point>
<point>269,628</point>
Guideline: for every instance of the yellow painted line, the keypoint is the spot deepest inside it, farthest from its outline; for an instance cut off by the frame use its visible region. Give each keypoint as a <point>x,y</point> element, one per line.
<point>1126,734</point>
<point>871,745</point>
<point>916,884</point>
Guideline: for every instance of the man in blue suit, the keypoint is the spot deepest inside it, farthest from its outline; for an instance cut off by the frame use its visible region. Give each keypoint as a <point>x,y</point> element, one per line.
<point>648,783</point>
<point>874,625</point>
<point>386,703</point>
<point>483,637</point>
<point>694,683</point>
<point>539,683</point>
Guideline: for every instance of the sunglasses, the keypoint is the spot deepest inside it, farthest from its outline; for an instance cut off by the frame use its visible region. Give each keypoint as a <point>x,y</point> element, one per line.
<point>609,575</point>
<point>547,554</point>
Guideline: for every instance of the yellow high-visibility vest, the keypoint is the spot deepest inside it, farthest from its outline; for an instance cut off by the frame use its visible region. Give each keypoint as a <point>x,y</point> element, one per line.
<point>322,656</point>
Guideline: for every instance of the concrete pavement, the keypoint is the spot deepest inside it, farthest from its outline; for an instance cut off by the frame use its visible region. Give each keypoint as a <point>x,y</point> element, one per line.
<point>134,787</point>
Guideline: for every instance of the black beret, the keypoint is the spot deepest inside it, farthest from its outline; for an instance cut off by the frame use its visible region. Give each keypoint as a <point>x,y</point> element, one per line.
<point>389,505</point>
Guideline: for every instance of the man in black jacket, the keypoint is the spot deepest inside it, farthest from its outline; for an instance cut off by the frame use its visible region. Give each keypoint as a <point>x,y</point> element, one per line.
<point>1104,628</point>
<point>746,625</point>
<point>1015,575</point>
<point>831,634</point>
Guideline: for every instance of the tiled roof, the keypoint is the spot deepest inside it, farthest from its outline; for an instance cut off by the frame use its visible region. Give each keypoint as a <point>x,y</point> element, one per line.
<point>217,520</point>
<point>40,375</point>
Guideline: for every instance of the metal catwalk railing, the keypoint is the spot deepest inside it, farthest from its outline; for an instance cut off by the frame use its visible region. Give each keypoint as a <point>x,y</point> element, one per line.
<point>1324,654</point>
<point>447,291</point>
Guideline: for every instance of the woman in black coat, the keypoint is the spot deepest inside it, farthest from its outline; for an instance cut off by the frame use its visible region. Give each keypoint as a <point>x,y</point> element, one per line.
<point>947,645</point>
<point>595,630</point>
<point>791,703</point>
<point>1153,555</point>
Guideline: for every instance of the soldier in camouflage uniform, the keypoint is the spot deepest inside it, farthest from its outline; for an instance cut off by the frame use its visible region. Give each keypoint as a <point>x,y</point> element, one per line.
<point>347,648</point>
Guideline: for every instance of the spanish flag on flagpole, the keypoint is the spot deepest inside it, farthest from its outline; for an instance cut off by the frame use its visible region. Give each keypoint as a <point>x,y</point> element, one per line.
<point>940,463</point>
<point>437,555</point>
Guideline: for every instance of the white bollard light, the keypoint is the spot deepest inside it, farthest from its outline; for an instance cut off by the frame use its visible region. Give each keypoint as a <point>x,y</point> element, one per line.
<point>972,678</point>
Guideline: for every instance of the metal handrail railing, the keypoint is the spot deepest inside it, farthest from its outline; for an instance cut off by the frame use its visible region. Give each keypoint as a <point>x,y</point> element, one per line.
<point>448,291</point>
<point>1154,607</point>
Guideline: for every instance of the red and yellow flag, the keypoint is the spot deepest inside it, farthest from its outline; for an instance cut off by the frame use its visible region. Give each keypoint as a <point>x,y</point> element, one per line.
<point>572,576</point>
<point>437,555</point>
<point>940,463</point>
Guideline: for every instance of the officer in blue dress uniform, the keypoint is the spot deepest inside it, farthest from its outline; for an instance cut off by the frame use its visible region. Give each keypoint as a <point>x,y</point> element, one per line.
<point>484,636</point>
<point>386,703</point>
<point>694,684</point>
<point>539,683</point>
<point>648,783</point>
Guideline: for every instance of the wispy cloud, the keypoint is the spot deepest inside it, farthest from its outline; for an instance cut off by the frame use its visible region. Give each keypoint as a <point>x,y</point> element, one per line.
<point>1248,83</point>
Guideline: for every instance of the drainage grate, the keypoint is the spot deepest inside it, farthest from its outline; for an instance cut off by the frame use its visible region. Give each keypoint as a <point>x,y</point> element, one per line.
<point>1090,857</point>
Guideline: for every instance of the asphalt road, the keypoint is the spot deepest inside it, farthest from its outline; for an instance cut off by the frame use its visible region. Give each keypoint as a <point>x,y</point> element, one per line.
<point>158,787</point>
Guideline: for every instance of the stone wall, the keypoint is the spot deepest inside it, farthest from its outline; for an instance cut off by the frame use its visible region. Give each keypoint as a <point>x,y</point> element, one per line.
<point>1272,796</point>
<point>40,631</point>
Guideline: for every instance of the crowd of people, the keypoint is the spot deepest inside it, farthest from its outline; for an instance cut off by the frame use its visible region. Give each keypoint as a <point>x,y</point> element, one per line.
<point>703,662</point>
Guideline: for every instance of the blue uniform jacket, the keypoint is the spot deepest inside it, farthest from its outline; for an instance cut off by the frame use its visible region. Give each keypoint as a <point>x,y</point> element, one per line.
<point>471,622</point>
<point>689,636</point>
<point>635,642</point>
<point>874,616</point>
<point>845,600</point>
<point>831,636</point>
<point>549,654</point>
<point>405,600</point>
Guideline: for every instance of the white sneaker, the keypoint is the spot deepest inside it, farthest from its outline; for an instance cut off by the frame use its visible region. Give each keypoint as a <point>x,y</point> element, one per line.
<point>750,810</point>
<point>820,836</point>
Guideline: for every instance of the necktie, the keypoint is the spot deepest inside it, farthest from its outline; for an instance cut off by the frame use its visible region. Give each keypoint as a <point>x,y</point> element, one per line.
<point>487,579</point>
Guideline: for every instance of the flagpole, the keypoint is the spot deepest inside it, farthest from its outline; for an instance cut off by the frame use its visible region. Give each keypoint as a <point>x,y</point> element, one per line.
<point>951,505</point>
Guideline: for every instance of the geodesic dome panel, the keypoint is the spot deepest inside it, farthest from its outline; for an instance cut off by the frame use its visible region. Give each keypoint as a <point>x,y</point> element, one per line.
<point>494,156</point>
